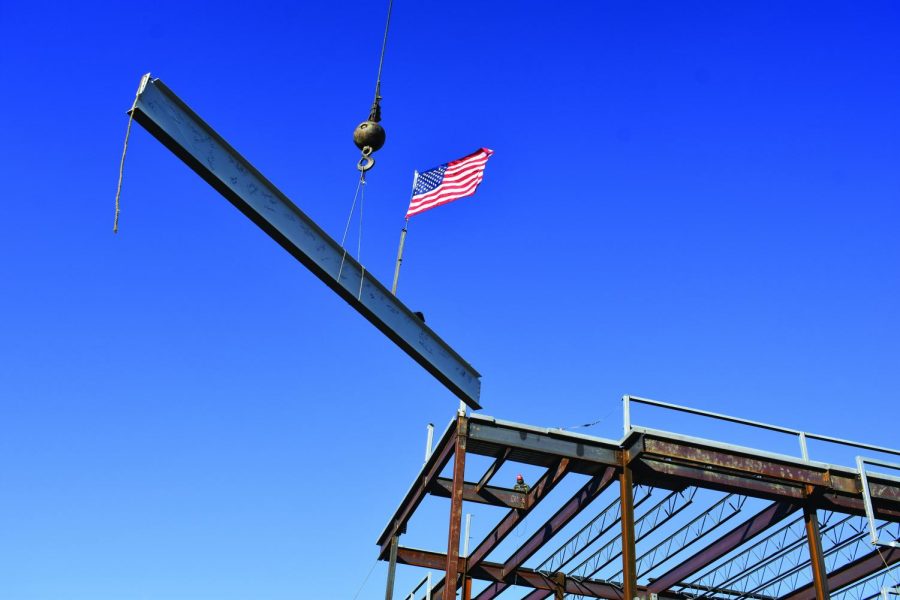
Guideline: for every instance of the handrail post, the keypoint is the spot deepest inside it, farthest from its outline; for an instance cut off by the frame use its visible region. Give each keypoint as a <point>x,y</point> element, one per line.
<point>626,412</point>
<point>803,450</point>
<point>429,442</point>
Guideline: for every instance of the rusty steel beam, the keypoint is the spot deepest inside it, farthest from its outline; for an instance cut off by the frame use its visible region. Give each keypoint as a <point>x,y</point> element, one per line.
<point>492,470</point>
<point>768,466</point>
<point>495,496</point>
<point>659,473</point>
<point>456,499</point>
<point>816,555</point>
<point>745,531</point>
<point>850,573</point>
<point>419,489</point>
<point>490,571</point>
<point>578,502</point>
<point>626,498</point>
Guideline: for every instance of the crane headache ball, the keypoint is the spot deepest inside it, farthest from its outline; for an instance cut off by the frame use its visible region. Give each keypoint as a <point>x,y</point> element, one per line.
<point>369,133</point>
<point>368,137</point>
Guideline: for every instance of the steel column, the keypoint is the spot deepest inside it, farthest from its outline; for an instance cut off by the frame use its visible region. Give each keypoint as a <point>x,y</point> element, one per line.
<point>392,569</point>
<point>816,556</point>
<point>626,498</point>
<point>183,132</point>
<point>456,499</point>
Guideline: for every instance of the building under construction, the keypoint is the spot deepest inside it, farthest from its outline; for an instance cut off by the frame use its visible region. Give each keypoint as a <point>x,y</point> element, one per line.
<point>670,516</point>
<point>662,515</point>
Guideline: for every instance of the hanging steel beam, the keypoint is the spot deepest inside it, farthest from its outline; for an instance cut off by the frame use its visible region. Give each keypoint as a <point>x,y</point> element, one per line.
<point>179,128</point>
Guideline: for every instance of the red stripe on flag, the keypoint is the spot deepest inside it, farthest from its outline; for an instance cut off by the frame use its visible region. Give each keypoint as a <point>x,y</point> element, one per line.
<point>461,178</point>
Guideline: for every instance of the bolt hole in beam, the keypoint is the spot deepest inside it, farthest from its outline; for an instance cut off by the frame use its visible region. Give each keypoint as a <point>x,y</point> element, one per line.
<point>182,131</point>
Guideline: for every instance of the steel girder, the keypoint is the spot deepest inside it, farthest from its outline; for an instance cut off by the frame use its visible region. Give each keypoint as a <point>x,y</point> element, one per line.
<point>183,132</point>
<point>489,571</point>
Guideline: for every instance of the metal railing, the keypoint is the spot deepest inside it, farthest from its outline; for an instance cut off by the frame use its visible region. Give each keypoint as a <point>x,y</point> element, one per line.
<point>802,436</point>
<point>426,581</point>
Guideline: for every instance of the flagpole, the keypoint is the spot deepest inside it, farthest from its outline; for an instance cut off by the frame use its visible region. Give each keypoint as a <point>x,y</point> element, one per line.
<point>403,239</point>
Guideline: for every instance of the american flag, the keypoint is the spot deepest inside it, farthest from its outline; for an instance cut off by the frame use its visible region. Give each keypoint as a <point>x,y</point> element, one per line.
<point>448,182</point>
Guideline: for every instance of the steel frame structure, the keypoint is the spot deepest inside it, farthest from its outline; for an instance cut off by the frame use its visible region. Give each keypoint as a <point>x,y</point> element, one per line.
<point>719,568</point>
<point>822,551</point>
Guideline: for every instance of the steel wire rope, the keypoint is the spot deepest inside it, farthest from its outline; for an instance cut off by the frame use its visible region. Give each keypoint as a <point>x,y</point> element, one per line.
<point>363,584</point>
<point>387,26</point>
<point>122,162</point>
<point>359,184</point>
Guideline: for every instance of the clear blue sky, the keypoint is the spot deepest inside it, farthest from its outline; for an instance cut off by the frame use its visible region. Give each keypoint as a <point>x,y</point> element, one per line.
<point>691,201</point>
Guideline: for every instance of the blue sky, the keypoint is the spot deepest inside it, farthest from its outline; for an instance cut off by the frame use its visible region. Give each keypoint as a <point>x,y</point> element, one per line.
<point>696,202</point>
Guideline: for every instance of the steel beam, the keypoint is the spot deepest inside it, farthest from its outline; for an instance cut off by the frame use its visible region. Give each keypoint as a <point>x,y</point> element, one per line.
<point>581,500</point>
<point>659,473</point>
<point>723,457</point>
<point>495,496</point>
<point>529,578</point>
<point>456,499</point>
<point>492,470</point>
<point>529,443</point>
<point>179,128</point>
<point>745,531</point>
<point>850,573</point>
<point>430,471</point>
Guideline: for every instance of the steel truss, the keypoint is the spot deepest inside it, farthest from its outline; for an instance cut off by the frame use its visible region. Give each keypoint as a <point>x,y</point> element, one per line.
<point>807,535</point>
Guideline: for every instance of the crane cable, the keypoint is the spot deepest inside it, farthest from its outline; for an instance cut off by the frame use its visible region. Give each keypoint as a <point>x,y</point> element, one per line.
<point>376,107</point>
<point>369,136</point>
